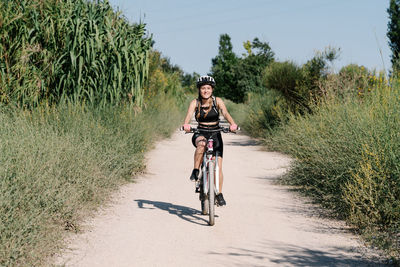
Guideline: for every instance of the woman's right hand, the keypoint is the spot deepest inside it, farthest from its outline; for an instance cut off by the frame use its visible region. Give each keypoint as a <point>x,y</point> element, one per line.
<point>186,127</point>
<point>233,127</point>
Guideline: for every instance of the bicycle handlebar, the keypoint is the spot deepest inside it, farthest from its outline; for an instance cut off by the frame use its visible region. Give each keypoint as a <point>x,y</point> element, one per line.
<point>220,129</point>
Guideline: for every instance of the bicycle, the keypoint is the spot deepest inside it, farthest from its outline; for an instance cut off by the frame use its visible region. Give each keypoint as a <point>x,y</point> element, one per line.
<point>208,185</point>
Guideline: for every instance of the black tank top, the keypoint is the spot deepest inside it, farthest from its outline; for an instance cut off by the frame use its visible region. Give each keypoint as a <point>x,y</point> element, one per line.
<point>212,116</point>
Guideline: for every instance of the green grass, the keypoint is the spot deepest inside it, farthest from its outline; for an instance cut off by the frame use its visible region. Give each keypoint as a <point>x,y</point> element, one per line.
<point>264,112</point>
<point>237,111</point>
<point>346,150</point>
<point>56,164</point>
<point>347,156</point>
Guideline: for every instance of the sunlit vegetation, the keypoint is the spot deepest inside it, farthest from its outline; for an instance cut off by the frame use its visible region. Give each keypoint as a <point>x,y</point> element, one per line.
<point>82,97</point>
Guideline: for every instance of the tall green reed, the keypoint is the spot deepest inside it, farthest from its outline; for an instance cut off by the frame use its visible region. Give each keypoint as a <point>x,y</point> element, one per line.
<point>69,50</point>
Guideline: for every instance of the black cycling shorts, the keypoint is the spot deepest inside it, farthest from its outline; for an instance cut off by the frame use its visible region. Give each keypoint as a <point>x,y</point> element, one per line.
<point>218,144</point>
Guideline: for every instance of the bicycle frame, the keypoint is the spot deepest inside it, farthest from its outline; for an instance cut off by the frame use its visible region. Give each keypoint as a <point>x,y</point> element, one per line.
<point>210,172</point>
<point>209,159</point>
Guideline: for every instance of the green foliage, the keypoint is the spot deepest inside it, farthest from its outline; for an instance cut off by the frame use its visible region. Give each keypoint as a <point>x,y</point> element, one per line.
<point>79,50</point>
<point>58,163</point>
<point>315,71</point>
<point>223,70</point>
<point>237,111</point>
<point>353,71</point>
<point>235,76</point>
<point>159,66</point>
<point>285,77</point>
<point>264,112</point>
<point>250,67</point>
<point>372,193</point>
<point>189,81</point>
<point>286,88</point>
<point>76,68</point>
<point>346,149</point>
<point>301,86</point>
<point>394,30</point>
<point>164,79</point>
<point>342,130</point>
<point>347,158</point>
<point>361,79</point>
<point>247,47</point>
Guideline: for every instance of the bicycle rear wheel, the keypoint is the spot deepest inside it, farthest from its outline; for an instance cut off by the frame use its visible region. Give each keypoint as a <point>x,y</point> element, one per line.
<point>211,193</point>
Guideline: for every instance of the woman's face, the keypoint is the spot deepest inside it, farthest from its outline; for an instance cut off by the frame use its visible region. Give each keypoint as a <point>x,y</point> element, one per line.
<point>206,91</point>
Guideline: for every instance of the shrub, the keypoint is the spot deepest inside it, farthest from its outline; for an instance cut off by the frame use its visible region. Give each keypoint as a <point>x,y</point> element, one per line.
<point>264,112</point>
<point>347,157</point>
<point>285,77</point>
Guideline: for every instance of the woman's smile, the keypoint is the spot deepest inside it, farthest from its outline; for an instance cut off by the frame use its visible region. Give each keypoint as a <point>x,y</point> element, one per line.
<point>206,91</point>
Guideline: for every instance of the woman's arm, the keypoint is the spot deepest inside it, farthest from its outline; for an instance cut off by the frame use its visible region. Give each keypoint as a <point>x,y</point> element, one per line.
<point>190,112</point>
<point>224,111</point>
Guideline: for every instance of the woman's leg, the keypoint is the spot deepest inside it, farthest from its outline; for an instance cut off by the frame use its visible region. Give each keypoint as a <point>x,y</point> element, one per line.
<point>221,177</point>
<point>200,149</point>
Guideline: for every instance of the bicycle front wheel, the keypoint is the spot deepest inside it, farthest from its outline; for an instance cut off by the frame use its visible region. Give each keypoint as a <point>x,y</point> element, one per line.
<point>211,193</point>
<point>204,206</point>
<point>203,200</point>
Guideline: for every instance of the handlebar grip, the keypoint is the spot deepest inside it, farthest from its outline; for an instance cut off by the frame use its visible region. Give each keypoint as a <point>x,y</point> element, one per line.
<point>191,129</point>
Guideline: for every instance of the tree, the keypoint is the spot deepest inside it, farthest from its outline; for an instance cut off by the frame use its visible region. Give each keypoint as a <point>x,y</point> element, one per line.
<point>235,76</point>
<point>250,68</point>
<point>394,30</point>
<point>189,81</point>
<point>223,70</point>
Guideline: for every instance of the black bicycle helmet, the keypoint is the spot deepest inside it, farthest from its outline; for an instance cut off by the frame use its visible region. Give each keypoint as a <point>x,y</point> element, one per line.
<point>205,80</point>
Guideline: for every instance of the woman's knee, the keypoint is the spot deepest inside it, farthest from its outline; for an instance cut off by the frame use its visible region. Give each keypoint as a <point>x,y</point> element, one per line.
<point>201,142</point>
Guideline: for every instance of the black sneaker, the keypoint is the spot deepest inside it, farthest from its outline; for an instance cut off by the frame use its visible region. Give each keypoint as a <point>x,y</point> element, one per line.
<point>195,175</point>
<point>220,200</point>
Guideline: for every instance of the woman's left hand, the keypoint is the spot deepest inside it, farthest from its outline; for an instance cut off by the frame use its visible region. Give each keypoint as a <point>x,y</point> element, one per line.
<point>233,128</point>
<point>186,127</point>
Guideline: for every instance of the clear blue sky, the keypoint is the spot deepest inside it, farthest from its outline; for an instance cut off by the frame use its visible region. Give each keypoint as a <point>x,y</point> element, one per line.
<point>187,31</point>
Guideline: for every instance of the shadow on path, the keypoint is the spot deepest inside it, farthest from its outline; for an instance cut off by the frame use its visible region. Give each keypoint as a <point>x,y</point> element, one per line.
<point>277,253</point>
<point>249,142</point>
<point>185,213</point>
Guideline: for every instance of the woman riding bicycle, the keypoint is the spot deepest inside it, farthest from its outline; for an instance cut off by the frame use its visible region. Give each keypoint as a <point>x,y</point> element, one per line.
<point>207,110</point>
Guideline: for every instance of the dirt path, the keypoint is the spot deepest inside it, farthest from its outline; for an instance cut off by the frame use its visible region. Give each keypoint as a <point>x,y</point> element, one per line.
<point>157,221</point>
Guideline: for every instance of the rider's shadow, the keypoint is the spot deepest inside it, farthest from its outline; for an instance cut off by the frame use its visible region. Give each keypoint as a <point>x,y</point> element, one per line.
<point>185,213</point>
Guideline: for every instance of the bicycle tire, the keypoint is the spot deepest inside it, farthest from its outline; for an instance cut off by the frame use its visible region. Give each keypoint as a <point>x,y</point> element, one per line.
<point>211,194</point>
<point>204,206</point>
<point>203,200</point>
